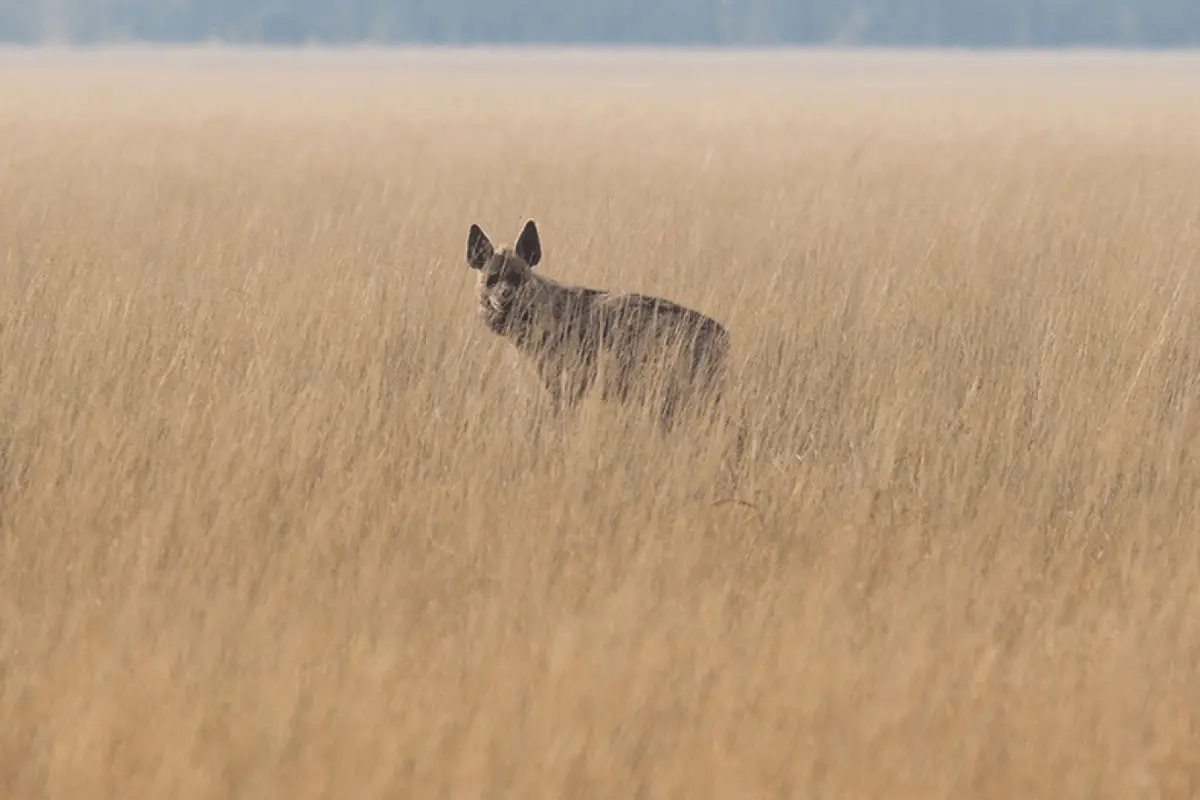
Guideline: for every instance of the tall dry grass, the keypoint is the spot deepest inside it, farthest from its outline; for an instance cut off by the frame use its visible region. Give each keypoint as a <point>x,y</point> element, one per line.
<point>273,525</point>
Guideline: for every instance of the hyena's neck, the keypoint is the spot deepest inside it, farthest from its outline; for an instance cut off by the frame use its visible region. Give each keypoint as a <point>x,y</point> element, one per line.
<point>524,318</point>
<point>544,312</point>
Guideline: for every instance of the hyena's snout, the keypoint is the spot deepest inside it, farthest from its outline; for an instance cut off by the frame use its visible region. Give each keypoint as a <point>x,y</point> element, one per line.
<point>495,300</point>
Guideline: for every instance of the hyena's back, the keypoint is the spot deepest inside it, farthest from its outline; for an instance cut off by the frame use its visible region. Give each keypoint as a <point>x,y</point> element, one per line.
<point>652,345</point>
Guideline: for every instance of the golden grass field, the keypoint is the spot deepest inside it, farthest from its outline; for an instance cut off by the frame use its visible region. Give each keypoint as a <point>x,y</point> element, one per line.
<point>274,525</point>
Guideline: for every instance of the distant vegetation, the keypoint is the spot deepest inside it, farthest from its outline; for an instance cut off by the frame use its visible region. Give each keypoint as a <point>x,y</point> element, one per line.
<point>884,22</point>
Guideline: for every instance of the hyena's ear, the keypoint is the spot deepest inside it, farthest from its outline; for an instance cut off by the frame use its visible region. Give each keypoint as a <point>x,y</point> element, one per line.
<point>479,248</point>
<point>529,246</point>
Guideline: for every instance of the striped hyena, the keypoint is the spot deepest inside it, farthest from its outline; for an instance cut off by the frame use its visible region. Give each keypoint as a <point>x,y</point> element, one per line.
<point>636,348</point>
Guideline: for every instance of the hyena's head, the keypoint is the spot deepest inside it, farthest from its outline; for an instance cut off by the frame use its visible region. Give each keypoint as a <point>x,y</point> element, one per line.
<point>503,272</point>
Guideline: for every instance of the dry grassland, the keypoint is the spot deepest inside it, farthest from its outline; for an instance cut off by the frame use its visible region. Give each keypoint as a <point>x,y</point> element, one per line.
<point>273,525</point>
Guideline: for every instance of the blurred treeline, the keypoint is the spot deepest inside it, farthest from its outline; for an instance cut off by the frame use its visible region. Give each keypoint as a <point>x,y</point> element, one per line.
<point>858,22</point>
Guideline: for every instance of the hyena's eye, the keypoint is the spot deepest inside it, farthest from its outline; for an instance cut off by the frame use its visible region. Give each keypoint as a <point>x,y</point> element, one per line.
<point>492,280</point>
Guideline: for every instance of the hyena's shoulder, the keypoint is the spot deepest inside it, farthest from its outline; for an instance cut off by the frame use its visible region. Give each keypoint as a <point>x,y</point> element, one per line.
<point>569,301</point>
